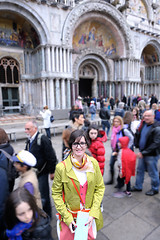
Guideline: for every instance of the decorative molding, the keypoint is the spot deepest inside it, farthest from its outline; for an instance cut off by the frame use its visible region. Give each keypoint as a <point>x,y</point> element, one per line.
<point>96,7</point>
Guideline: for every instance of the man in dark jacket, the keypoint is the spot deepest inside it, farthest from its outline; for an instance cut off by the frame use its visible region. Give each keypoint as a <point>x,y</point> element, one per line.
<point>40,146</point>
<point>104,114</point>
<point>149,144</point>
<point>4,190</point>
<point>119,111</point>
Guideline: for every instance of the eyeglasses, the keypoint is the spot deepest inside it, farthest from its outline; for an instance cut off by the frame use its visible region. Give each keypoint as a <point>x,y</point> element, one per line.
<point>81,144</point>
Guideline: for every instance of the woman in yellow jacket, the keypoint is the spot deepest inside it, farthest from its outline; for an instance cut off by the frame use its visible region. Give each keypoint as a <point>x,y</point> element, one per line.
<point>78,184</point>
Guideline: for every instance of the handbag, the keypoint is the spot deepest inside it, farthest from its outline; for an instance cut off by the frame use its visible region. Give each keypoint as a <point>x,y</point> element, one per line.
<point>51,119</point>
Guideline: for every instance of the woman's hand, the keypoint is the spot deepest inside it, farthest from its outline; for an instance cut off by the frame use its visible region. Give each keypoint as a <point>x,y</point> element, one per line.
<point>89,223</point>
<point>114,154</point>
<point>72,226</point>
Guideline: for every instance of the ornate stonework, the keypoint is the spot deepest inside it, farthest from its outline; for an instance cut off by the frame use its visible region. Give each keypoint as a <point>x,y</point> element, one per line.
<point>90,54</point>
<point>97,7</point>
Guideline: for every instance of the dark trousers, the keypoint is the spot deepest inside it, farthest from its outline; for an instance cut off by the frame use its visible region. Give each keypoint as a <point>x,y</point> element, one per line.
<point>121,184</point>
<point>106,124</point>
<point>48,132</point>
<point>45,193</point>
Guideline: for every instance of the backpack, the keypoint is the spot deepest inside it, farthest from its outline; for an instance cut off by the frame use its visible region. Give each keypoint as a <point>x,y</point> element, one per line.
<point>129,129</point>
<point>51,119</point>
<point>12,172</point>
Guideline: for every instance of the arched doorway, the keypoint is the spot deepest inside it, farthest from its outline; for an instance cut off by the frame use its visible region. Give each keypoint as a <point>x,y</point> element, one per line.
<point>86,78</point>
<point>9,80</point>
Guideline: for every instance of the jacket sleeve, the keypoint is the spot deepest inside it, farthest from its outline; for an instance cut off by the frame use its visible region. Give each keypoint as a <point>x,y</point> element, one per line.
<point>4,192</point>
<point>98,192</point>
<point>50,154</point>
<point>155,144</point>
<point>57,189</point>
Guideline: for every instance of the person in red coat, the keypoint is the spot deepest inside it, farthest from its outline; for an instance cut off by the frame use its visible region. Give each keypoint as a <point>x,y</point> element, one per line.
<point>126,163</point>
<point>97,138</point>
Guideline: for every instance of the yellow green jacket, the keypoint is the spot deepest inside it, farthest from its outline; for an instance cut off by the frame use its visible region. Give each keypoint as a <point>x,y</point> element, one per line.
<point>94,195</point>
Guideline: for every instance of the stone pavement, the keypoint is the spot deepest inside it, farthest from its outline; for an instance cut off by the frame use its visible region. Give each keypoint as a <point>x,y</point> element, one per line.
<point>134,218</point>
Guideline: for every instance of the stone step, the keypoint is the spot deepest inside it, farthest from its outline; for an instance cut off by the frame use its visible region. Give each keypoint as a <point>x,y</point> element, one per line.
<point>15,119</point>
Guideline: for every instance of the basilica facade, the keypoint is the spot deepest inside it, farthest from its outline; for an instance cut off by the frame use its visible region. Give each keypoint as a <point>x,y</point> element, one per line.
<point>51,51</point>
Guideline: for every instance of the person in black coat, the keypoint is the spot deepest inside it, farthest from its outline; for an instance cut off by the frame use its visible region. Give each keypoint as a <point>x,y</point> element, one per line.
<point>40,146</point>
<point>5,146</point>
<point>4,190</point>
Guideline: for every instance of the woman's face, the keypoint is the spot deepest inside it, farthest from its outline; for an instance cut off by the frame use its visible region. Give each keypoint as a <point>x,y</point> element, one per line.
<point>24,213</point>
<point>93,133</point>
<point>116,122</point>
<point>79,147</point>
<point>134,114</point>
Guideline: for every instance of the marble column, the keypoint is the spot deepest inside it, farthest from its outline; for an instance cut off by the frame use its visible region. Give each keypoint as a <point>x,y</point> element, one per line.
<point>51,94</point>
<point>57,94</point>
<point>105,90</point>
<point>53,59</point>
<point>61,60</point>
<point>43,59</point>
<point>48,59</point>
<point>68,94</point>
<point>68,60</point>
<point>63,94</point>
<point>43,92</point>
<point>72,93</point>
<point>57,59</point>
<point>64,60</point>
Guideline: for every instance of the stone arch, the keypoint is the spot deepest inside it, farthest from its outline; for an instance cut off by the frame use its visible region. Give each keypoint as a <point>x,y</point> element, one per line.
<point>31,15</point>
<point>149,9</point>
<point>101,65</point>
<point>152,42</point>
<point>105,10</point>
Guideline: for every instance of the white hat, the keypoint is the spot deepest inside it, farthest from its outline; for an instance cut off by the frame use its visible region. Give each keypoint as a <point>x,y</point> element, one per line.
<point>79,97</point>
<point>92,101</point>
<point>26,158</point>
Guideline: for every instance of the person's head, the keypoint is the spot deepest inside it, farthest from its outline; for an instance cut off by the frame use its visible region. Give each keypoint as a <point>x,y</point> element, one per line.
<point>23,161</point>
<point>128,117</point>
<point>117,121</point>
<point>121,105</point>
<point>45,107</point>
<point>135,112</point>
<point>149,117</point>
<point>78,117</point>
<point>147,106</point>
<point>20,206</point>
<point>3,136</point>
<point>93,131</point>
<point>106,104</point>
<point>154,106</point>
<point>78,143</point>
<point>31,128</point>
<point>79,98</point>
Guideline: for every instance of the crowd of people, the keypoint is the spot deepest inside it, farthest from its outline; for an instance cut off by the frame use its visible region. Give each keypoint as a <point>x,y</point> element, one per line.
<point>78,185</point>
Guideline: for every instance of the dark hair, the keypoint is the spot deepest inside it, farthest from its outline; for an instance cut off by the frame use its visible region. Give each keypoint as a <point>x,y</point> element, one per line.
<point>77,134</point>
<point>3,136</point>
<point>76,114</point>
<point>92,126</point>
<point>128,117</point>
<point>23,164</point>
<point>15,198</point>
